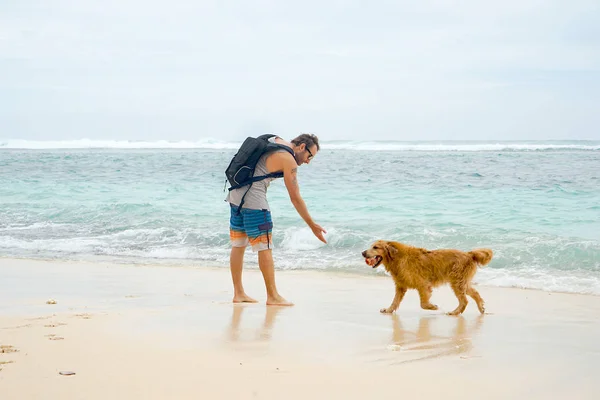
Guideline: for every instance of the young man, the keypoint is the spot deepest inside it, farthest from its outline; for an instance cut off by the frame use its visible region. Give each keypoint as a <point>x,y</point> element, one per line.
<point>253,224</point>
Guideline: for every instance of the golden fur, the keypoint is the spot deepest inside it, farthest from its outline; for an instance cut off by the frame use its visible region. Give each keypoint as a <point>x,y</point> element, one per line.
<point>421,269</point>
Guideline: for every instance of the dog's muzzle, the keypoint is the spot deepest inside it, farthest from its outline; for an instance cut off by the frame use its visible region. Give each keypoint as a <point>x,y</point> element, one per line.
<point>372,261</point>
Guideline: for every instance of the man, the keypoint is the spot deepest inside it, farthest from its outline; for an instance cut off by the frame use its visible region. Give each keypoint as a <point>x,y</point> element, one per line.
<point>253,224</point>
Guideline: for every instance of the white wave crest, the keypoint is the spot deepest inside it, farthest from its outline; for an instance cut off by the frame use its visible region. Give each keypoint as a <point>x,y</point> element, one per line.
<point>300,239</point>
<point>209,143</point>
<point>460,147</point>
<point>541,279</point>
<point>115,144</point>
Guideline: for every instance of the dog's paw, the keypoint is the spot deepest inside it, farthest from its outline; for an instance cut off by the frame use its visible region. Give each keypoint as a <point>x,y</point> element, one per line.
<point>429,306</point>
<point>386,311</point>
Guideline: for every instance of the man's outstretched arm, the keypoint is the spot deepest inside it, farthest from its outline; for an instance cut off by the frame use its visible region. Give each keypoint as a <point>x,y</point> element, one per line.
<point>290,171</point>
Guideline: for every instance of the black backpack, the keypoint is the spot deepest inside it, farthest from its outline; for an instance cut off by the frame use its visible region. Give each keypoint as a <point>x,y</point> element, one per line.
<point>240,171</point>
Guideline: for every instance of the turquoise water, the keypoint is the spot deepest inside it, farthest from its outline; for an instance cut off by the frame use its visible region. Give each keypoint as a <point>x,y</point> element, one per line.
<point>536,204</point>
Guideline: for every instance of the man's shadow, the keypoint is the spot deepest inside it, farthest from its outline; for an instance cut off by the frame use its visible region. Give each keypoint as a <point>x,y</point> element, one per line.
<point>424,345</point>
<point>264,332</point>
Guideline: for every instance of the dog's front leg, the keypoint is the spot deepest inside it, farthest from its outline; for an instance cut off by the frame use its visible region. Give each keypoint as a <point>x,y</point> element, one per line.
<point>400,291</point>
<point>425,295</point>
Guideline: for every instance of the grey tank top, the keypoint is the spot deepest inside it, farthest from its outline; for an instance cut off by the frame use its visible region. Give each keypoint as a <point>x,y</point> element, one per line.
<point>256,199</point>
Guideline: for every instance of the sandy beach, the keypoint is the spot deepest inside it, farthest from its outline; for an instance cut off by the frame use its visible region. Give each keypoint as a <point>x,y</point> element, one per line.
<point>161,332</point>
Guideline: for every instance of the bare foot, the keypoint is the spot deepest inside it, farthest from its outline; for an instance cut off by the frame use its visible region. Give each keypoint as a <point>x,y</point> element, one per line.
<point>278,301</point>
<point>243,298</point>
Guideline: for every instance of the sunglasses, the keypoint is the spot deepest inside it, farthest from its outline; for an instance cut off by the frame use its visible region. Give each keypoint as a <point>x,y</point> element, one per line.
<point>310,157</point>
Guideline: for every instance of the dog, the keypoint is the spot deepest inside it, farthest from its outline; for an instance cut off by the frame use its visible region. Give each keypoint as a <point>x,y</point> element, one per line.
<point>421,269</point>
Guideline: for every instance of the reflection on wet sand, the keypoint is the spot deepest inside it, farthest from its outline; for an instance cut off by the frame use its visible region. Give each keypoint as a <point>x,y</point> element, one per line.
<point>421,344</point>
<point>265,331</point>
<point>432,337</point>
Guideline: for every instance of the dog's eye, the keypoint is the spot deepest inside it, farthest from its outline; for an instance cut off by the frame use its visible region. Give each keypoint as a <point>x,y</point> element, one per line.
<point>375,247</point>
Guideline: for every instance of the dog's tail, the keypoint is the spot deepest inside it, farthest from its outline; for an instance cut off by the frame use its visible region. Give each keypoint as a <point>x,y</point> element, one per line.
<point>481,256</point>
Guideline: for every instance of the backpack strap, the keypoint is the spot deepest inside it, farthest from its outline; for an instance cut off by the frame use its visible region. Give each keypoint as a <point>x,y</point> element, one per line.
<point>239,209</point>
<point>250,181</point>
<point>256,179</point>
<point>278,174</point>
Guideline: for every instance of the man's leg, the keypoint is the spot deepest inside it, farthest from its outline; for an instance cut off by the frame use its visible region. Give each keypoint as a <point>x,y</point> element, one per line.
<point>265,262</point>
<point>239,241</point>
<point>258,226</point>
<point>236,264</point>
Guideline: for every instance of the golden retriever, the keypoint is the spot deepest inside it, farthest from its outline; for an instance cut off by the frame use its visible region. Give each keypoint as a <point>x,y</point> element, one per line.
<point>421,269</point>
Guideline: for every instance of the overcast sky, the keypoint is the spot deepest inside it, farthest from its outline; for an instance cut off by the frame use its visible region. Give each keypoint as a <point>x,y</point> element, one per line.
<point>355,70</point>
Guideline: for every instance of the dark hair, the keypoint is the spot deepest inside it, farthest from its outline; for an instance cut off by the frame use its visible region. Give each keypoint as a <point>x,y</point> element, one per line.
<point>308,139</point>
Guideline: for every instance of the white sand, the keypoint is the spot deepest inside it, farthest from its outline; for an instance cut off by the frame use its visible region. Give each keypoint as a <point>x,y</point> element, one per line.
<point>151,332</point>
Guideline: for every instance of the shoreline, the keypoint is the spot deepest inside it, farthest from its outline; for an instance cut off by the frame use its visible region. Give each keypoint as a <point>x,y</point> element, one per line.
<point>367,274</point>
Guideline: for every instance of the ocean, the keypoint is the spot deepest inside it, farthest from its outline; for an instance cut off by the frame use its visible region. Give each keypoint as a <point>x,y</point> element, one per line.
<point>536,204</point>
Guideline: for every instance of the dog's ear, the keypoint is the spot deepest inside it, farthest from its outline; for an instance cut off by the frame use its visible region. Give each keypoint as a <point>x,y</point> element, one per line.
<point>390,250</point>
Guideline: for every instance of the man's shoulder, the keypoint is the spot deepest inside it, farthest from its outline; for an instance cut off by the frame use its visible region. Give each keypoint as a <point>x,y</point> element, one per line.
<point>279,160</point>
<point>284,148</point>
<point>280,154</point>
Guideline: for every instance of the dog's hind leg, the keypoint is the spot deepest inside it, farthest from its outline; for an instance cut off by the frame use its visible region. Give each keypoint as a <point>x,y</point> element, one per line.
<point>475,295</point>
<point>425,295</point>
<point>460,292</point>
<point>400,291</point>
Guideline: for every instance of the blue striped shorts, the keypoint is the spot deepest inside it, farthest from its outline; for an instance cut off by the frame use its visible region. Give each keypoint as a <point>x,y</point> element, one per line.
<point>252,227</point>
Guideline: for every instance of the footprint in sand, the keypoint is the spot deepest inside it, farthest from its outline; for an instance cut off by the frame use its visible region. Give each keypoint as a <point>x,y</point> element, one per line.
<point>84,316</point>
<point>54,325</point>
<point>4,363</point>
<point>7,349</point>
<point>52,336</point>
